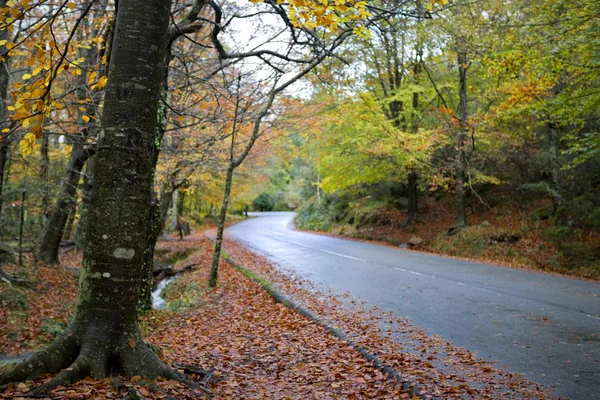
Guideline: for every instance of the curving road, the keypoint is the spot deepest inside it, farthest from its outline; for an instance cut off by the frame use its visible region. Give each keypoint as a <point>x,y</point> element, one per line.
<point>543,326</point>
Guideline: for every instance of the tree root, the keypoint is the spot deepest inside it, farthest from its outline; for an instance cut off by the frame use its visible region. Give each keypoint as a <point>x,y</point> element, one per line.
<point>207,377</point>
<point>77,371</point>
<point>75,358</point>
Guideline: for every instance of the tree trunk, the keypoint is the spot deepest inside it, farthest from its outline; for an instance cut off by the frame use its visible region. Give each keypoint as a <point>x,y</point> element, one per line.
<point>88,180</point>
<point>461,157</point>
<point>103,337</point>
<point>214,270</point>
<point>71,220</point>
<point>413,205</point>
<point>552,139</point>
<point>44,169</point>
<point>4,140</point>
<point>55,228</point>
<point>156,224</point>
<point>174,210</point>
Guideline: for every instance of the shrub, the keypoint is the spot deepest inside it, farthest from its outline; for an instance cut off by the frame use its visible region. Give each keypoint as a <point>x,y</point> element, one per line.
<point>541,214</point>
<point>12,297</point>
<point>263,202</point>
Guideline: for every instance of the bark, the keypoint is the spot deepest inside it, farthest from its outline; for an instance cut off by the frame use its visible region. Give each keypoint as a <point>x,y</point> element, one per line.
<point>156,224</point>
<point>71,220</point>
<point>214,270</point>
<point>5,141</point>
<point>44,167</point>
<point>461,157</point>
<point>174,211</point>
<point>103,337</point>
<point>552,139</point>
<point>81,231</point>
<point>413,205</point>
<point>55,228</point>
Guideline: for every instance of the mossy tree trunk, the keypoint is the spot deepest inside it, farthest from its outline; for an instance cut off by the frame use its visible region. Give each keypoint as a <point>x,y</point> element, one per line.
<point>461,156</point>
<point>5,141</point>
<point>103,337</point>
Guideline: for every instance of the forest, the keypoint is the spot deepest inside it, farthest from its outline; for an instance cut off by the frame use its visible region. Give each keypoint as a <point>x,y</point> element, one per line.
<point>134,132</point>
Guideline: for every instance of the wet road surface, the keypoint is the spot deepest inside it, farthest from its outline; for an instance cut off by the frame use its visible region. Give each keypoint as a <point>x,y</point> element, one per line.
<point>546,327</point>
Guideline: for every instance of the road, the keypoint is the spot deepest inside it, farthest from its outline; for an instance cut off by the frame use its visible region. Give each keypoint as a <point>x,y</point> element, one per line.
<point>544,326</point>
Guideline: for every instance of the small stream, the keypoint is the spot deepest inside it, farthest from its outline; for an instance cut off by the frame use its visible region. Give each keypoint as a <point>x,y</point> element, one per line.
<point>158,303</point>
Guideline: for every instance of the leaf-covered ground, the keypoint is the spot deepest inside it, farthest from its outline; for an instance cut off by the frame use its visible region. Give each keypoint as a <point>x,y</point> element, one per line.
<point>260,348</point>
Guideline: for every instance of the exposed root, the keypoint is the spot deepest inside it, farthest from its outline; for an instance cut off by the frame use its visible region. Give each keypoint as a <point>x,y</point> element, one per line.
<point>207,377</point>
<point>50,360</point>
<point>154,388</point>
<point>78,370</point>
<point>76,360</point>
<point>133,394</point>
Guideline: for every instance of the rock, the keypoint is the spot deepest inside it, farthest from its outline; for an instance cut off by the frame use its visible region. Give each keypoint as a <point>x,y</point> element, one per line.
<point>486,223</point>
<point>415,241</point>
<point>7,255</point>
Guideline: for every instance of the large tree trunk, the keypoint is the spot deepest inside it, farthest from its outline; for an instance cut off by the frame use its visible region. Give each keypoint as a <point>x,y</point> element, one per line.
<point>461,156</point>
<point>103,336</point>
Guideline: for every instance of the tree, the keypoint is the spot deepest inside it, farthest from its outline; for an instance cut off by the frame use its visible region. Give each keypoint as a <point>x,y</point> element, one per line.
<point>83,148</point>
<point>103,336</point>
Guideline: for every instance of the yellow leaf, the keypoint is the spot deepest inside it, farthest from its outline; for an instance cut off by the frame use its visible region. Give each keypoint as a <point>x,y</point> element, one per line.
<point>26,76</point>
<point>102,82</point>
<point>71,6</point>
<point>92,78</point>
<point>26,145</point>
<point>86,118</point>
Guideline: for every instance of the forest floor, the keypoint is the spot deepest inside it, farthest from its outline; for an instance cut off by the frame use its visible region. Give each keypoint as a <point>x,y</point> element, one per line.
<point>508,234</point>
<point>259,348</point>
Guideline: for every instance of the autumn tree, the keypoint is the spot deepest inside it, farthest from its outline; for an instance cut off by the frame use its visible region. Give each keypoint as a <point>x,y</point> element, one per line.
<point>103,336</point>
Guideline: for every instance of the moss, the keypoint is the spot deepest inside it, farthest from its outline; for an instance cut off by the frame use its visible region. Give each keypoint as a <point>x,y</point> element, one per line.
<point>467,242</point>
<point>12,297</point>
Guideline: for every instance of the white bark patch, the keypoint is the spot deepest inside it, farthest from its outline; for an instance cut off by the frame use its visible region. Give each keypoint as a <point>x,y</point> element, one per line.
<point>124,253</point>
<point>106,275</point>
<point>104,236</point>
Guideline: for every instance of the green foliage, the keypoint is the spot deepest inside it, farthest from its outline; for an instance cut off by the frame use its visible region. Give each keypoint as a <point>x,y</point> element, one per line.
<point>467,242</point>
<point>541,214</point>
<point>51,329</point>
<point>11,297</point>
<point>182,296</point>
<point>557,235</point>
<point>263,202</point>
<point>197,218</point>
<point>314,215</point>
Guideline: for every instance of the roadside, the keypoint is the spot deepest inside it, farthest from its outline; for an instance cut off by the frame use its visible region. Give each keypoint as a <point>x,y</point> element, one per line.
<point>259,349</point>
<point>439,368</point>
<point>516,235</point>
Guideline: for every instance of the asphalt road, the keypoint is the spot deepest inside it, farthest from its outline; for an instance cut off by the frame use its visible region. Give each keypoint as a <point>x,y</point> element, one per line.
<point>543,326</point>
